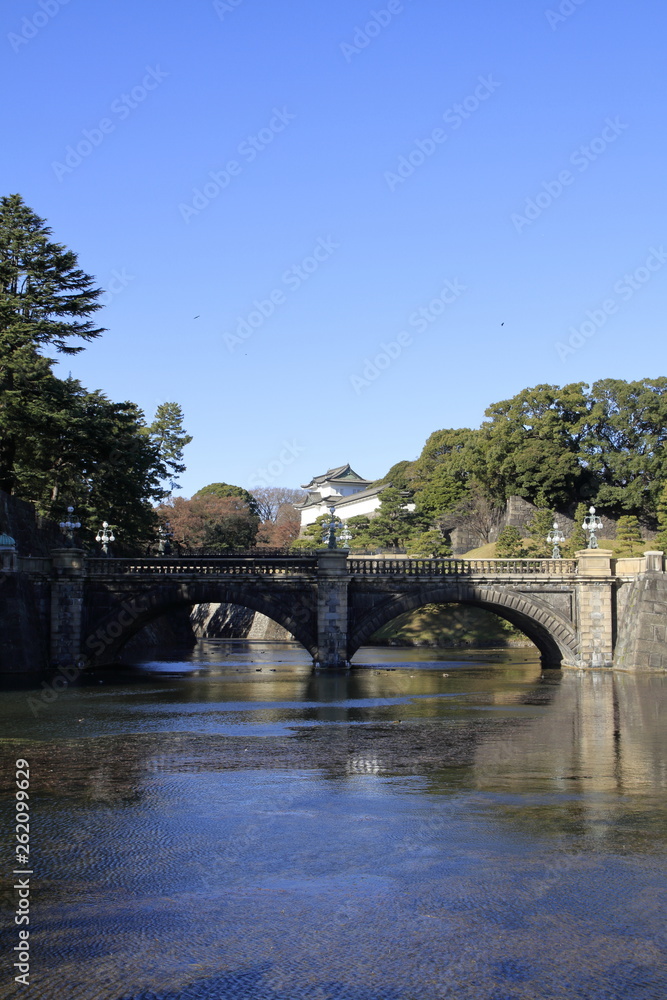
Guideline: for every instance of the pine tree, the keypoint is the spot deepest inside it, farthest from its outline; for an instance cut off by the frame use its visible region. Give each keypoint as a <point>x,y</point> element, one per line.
<point>661,538</point>
<point>315,536</point>
<point>510,543</point>
<point>628,534</point>
<point>45,301</point>
<point>167,434</point>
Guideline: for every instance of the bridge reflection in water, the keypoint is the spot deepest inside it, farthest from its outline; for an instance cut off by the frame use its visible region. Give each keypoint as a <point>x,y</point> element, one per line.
<point>475,830</point>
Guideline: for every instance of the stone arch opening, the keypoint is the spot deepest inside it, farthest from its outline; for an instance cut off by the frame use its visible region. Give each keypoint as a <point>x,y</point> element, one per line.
<point>553,635</point>
<point>130,612</point>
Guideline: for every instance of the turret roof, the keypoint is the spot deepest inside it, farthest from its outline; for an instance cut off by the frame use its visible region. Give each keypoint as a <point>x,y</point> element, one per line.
<point>341,474</point>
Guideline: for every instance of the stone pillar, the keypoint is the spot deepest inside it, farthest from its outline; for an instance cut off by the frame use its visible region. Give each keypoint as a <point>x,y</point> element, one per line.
<point>332,581</point>
<point>66,606</point>
<point>654,561</point>
<point>595,608</point>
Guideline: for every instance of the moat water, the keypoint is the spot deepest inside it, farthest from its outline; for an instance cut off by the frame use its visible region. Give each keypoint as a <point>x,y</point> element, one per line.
<point>225,825</point>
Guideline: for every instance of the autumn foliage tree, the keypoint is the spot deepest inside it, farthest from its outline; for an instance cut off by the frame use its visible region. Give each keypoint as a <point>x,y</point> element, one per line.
<point>209,522</point>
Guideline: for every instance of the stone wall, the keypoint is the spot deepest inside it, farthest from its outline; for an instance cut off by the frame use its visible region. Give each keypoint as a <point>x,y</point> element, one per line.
<point>24,624</point>
<point>641,638</point>
<point>230,621</point>
<point>24,603</point>
<point>518,513</point>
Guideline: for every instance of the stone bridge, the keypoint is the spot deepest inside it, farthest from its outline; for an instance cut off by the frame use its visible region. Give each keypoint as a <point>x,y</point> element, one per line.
<point>574,610</point>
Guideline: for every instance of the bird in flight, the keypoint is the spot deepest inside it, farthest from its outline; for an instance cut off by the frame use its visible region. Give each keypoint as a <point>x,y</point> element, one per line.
<point>196,317</point>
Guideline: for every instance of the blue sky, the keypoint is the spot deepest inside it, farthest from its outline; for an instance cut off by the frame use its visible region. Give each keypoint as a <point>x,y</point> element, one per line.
<point>346,308</point>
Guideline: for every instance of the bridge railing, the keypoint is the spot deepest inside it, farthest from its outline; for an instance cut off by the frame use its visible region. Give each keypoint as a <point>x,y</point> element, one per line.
<point>462,567</point>
<point>213,566</point>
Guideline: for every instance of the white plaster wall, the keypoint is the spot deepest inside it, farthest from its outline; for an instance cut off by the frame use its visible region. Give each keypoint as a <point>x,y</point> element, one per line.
<point>366,506</point>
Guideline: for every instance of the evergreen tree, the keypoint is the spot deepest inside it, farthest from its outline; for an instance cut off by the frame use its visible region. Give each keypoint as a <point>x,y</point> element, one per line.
<point>313,536</point>
<point>661,538</point>
<point>578,539</point>
<point>429,544</point>
<point>442,494</point>
<point>394,524</point>
<point>628,533</point>
<point>510,544</point>
<point>45,303</point>
<point>539,527</point>
<point>94,456</point>
<point>167,434</point>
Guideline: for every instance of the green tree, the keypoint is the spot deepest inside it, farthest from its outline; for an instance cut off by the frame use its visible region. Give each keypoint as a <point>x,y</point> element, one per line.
<point>394,524</point>
<point>400,475</point>
<point>167,434</point>
<point>313,535</point>
<point>452,449</point>
<point>539,527</point>
<point>510,544</point>
<point>628,533</point>
<point>661,538</point>
<point>577,539</point>
<point>441,494</point>
<point>625,445</point>
<point>429,544</point>
<point>45,304</point>
<point>94,455</point>
<point>358,527</point>
<point>531,444</point>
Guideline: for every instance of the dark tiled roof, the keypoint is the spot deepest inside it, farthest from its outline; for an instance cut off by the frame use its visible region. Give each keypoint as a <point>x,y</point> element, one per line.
<point>341,474</point>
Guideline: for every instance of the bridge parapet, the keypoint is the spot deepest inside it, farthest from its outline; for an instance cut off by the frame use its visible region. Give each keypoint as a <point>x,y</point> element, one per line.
<point>157,566</point>
<point>463,567</point>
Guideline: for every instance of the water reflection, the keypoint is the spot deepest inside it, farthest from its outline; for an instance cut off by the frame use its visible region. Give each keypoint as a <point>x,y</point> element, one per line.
<point>230,825</point>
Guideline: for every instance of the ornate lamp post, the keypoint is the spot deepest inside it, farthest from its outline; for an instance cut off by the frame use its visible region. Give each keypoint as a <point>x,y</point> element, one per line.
<point>345,535</point>
<point>329,535</point>
<point>592,523</point>
<point>555,538</point>
<point>104,536</point>
<point>165,534</point>
<point>69,526</point>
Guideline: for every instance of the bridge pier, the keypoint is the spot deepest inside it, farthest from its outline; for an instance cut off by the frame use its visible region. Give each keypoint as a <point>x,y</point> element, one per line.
<point>67,592</point>
<point>332,612</point>
<point>595,602</point>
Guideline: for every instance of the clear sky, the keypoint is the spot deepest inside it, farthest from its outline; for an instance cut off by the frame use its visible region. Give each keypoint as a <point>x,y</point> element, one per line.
<point>450,187</point>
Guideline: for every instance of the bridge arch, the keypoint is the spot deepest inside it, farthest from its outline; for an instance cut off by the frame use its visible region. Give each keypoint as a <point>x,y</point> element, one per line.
<point>553,634</point>
<point>130,611</point>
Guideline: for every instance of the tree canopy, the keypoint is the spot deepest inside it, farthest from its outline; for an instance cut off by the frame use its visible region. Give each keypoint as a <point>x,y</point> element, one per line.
<point>61,444</point>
